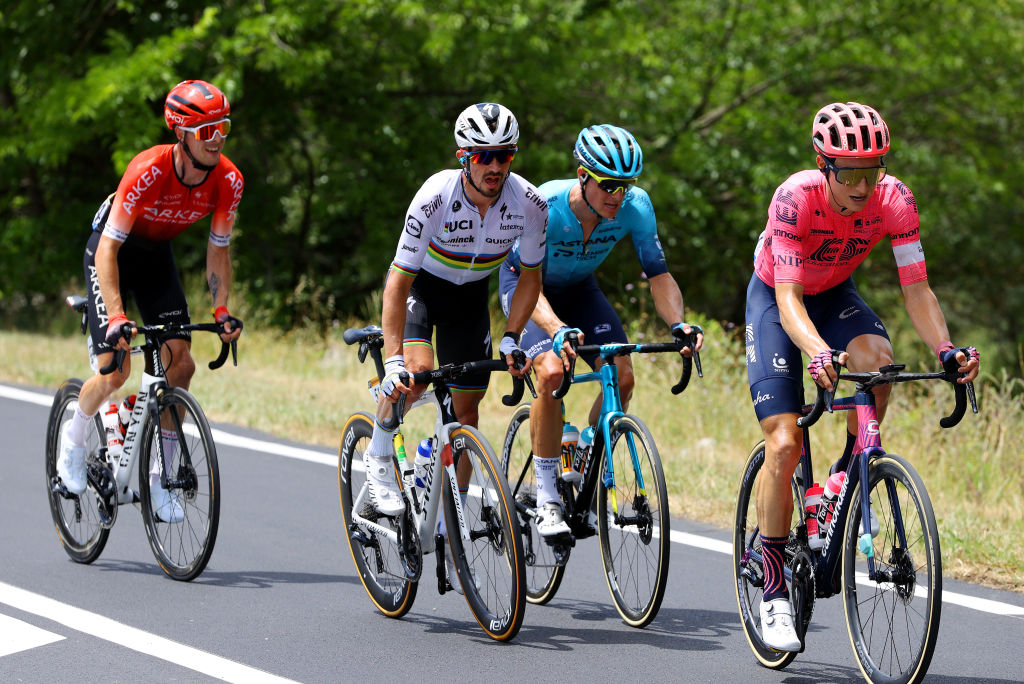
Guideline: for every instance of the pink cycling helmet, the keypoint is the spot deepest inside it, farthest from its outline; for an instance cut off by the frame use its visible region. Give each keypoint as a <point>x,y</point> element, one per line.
<point>192,103</point>
<point>849,130</point>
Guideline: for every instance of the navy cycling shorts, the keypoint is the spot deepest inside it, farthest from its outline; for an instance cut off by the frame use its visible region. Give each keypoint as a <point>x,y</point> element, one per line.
<point>581,305</point>
<point>775,370</point>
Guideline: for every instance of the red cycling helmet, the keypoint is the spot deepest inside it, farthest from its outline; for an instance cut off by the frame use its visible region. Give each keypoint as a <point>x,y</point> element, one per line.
<point>192,103</point>
<point>849,130</point>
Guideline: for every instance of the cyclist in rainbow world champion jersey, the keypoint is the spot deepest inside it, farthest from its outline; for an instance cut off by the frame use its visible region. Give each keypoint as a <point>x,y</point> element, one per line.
<point>821,225</point>
<point>164,190</point>
<point>589,215</point>
<point>458,229</point>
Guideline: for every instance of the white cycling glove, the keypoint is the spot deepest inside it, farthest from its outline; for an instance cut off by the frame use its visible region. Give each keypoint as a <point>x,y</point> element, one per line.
<point>393,365</point>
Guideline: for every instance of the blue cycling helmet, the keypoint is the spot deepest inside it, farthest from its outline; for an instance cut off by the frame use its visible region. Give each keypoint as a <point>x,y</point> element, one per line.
<point>609,151</point>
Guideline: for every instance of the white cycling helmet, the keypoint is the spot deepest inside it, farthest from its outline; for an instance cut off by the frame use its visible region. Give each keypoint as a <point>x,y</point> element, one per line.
<point>486,125</point>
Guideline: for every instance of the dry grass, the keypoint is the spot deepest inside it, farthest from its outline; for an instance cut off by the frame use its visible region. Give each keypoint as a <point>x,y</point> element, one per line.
<point>302,386</point>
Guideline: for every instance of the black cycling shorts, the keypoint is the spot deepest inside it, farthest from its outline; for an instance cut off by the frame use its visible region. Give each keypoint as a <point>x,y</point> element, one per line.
<point>581,305</point>
<point>148,272</point>
<point>458,316</point>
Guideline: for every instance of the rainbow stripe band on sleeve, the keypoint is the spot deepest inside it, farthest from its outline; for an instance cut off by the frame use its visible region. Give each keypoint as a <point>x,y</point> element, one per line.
<point>402,269</point>
<point>531,267</point>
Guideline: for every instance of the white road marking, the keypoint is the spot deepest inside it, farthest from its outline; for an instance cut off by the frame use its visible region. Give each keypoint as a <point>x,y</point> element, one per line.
<point>136,639</point>
<point>16,635</point>
<point>707,543</point>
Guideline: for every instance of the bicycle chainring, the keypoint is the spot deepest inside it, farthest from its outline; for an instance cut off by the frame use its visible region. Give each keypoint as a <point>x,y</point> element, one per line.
<point>801,565</point>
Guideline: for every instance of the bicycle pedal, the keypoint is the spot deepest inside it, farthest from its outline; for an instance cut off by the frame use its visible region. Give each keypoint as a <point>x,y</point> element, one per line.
<point>57,486</point>
<point>443,585</point>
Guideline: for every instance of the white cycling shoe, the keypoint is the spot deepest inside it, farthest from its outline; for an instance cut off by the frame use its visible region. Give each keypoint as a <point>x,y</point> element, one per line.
<point>71,462</point>
<point>382,484</point>
<point>550,520</point>
<point>777,628</point>
<point>166,506</point>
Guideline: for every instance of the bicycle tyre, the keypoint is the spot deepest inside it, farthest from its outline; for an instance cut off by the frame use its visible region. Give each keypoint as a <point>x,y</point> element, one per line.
<point>543,574</point>
<point>77,521</point>
<point>747,573</point>
<point>635,555</point>
<point>377,561</point>
<point>884,617</point>
<point>489,565</point>
<point>182,549</point>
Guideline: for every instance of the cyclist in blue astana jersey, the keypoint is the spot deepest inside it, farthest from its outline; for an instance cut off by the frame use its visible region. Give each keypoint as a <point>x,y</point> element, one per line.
<point>588,216</point>
<point>458,229</point>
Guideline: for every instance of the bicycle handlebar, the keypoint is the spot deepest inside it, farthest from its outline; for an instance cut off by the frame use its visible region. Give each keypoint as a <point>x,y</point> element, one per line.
<point>623,349</point>
<point>371,341</point>
<point>890,375</point>
<point>159,332</point>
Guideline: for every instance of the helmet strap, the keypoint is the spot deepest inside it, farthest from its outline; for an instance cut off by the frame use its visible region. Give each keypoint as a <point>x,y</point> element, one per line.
<point>583,194</point>
<point>469,177</point>
<point>195,162</point>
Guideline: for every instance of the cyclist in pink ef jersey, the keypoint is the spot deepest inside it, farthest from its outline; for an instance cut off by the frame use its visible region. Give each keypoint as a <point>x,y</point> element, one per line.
<point>165,190</point>
<point>821,225</point>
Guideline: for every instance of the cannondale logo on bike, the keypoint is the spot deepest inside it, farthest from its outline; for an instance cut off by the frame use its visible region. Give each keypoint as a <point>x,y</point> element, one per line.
<point>836,507</point>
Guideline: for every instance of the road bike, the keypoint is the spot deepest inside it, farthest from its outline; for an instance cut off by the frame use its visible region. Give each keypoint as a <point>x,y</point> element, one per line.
<point>628,483</point>
<point>889,572</point>
<point>167,425</point>
<point>481,528</point>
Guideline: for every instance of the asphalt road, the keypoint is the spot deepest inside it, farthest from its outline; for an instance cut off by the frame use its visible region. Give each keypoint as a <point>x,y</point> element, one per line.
<point>280,600</point>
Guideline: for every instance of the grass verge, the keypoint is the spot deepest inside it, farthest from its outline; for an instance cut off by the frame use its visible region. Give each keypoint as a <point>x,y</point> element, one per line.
<point>301,386</point>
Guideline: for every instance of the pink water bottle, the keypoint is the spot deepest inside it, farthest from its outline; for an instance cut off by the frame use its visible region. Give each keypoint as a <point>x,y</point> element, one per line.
<point>833,485</point>
<point>812,501</point>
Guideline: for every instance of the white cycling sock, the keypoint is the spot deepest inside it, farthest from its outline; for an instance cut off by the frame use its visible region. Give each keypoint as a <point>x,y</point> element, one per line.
<point>382,444</point>
<point>547,470</point>
<point>169,439</point>
<point>80,426</point>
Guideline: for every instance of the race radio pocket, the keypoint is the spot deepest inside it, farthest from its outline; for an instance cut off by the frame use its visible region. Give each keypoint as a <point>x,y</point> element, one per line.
<point>100,219</point>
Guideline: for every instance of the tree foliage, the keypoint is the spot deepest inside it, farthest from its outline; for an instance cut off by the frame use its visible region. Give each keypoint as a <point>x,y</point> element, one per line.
<point>343,107</point>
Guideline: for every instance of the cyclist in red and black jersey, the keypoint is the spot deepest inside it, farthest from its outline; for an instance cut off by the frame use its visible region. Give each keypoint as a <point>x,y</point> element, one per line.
<point>165,189</point>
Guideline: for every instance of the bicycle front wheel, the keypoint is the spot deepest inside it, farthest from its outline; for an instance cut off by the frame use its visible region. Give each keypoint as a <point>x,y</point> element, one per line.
<point>489,564</point>
<point>747,568</point>
<point>633,522</point>
<point>893,619</point>
<point>181,532</point>
<point>80,528</point>
<point>376,556</point>
<point>543,573</point>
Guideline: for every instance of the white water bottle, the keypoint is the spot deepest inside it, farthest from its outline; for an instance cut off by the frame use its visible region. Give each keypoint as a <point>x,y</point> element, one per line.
<point>812,502</point>
<point>833,485</point>
<point>113,434</point>
<point>124,414</point>
<point>579,461</point>
<point>421,464</point>
<point>570,437</point>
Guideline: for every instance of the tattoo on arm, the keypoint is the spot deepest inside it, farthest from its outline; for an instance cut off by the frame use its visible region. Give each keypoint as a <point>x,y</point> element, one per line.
<point>214,281</point>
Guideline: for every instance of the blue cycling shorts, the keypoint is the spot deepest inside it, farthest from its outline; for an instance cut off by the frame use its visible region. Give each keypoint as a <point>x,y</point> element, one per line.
<point>581,305</point>
<point>774,368</point>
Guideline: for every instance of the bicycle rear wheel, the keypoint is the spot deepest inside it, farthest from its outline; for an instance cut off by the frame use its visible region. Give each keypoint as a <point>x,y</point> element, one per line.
<point>633,523</point>
<point>747,569</point>
<point>181,547</point>
<point>543,573</point>
<point>893,621</point>
<point>376,557</point>
<point>79,526</point>
<point>489,563</point>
